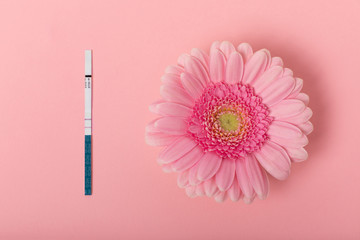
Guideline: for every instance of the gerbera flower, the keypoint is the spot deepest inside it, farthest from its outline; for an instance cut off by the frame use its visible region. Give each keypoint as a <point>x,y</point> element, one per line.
<point>228,119</point>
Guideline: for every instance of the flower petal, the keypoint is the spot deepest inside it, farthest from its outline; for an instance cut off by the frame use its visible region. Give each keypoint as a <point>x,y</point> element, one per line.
<point>297,154</point>
<point>199,190</point>
<point>303,97</point>
<point>171,125</point>
<point>170,109</point>
<point>159,139</point>
<point>202,56</point>
<point>269,77</point>
<point>249,200</point>
<point>278,90</point>
<point>171,79</point>
<point>286,134</point>
<point>217,66</point>
<point>287,108</point>
<point>188,160</point>
<point>306,127</point>
<point>288,72</point>
<point>234,68</point>
<point>257,176</point>
<point>301,117</point>
<point>209,164</point>
<point>227,48</point>
<point>297,88</point>
<point>150,127</point>
<point>245,50</point>
<point>193,180</point>
<point>192,85</point>
<point>225,176</point>
<point>243,178</point>
<point>174,69</point>
<point>166,168</point>
<point>210,187</point>
<point>256,65</point>
<point>234,191</point>
<point>190,191</point>
<point>183,179</point>
<point>194,67</point>
<point>274,160</point>
<point>220,197</point>
<point>176,94</point>
<point>181,59</point>
<point>276,61</point>
<point>176,150</point>
<point>214,46</point>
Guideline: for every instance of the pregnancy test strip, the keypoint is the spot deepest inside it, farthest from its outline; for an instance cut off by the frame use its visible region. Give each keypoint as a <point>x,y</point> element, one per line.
<point>88,82</point>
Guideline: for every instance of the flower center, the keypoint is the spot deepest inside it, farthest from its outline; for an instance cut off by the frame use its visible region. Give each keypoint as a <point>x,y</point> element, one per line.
<point>229,121</point>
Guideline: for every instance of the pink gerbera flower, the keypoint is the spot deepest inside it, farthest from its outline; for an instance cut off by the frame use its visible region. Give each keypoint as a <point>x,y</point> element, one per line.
<point>228,119</point>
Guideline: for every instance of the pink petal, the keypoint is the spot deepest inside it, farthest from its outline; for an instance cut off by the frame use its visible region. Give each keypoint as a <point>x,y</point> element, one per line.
<point>234,68</point>
<point>210,187</point>
<point>217,66</point>
<point>249,200</point>
<point>220,197</point>
<point>256,65</point>
<point>257,176</point>
<point>176,150</point>
<point>171,79</point>
<point>297,154</point>
<point>201,56</point>
<point>214,47</point>
<point>188,160</point>
<point>181,59</point>
<point>287,108</point>
<point>288,72</point>
<point>194,67</point>
<point>183,179</point>
<point>277,91</point>
<point>245,50</point>
<point>234,192</point>
<point>176,94</point>
<point>195,128</point>
<point>193,180</point>
<point>170,109</point>
<point>166,168</point>
<point>174,70</point>
<point>286,134</point>
<point>190,191</point>
<point>301,117</point>
<point>243,178</point>
<point>227,48</point>
<point>192,85</point>
<point>171,125</point>
<point>269,77</point>
<point>225,176</point>
<point>150,127</point>
<point>306,127</point>
<point>199,190</point>
<point>297,88</point>
<point>303,97</point>
<point>274,160</point>
<point>276,61</point>
<point>159,139</point>
<point>209,164</point>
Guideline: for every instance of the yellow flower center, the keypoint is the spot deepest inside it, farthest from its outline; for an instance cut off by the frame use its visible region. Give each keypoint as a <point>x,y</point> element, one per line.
<point>229,121</point>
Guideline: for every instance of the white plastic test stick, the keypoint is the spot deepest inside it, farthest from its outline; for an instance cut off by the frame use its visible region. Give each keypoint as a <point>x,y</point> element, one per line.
<point>88,83</point>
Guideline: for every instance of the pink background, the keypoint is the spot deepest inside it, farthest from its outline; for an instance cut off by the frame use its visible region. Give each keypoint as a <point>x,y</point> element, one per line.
<point>42,134</point>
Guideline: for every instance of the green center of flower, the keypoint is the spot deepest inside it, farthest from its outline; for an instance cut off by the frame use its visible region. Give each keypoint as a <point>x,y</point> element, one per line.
<point>229,121</point>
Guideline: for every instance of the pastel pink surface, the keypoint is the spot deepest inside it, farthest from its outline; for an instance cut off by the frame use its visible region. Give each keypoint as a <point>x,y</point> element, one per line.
<point>42,103</point>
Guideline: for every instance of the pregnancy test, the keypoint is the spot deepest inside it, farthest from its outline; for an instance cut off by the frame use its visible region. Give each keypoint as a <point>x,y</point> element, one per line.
<point>88,82</point>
